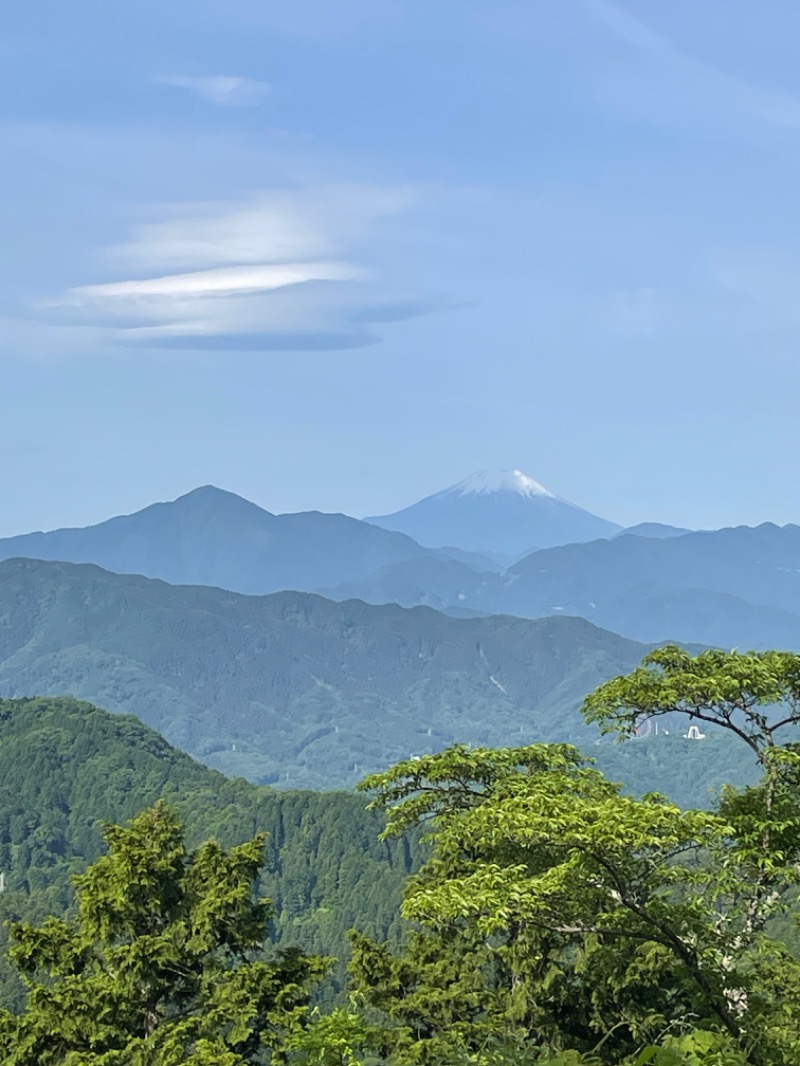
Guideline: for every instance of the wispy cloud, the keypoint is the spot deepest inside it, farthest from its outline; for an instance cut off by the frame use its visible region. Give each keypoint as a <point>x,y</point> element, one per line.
<point>282,269</point>
<point>226,281</point>
<point>695,89</point>
<point>274,225</point>
<point>221,90</point>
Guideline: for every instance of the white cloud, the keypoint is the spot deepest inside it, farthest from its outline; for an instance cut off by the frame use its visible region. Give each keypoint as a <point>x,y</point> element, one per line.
<point>272,225</point>
<point>280,269</point>
<point>226,281</point>
<point>221,90</point>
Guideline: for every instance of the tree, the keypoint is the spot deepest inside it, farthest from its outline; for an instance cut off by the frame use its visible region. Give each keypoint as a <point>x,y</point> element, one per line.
<point>338,1038</point>
<point>573,917</point>
<point>162,964</point>
<point>755,697</point>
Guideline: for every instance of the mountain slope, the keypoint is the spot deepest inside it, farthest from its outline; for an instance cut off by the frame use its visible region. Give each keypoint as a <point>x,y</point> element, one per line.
<point>66,766</point>
<point>505,514</point>
<point>438,583</point>
<point>735,587</point>
<point>738,586</point>
<point>212,537</point>
<point>290,688</point>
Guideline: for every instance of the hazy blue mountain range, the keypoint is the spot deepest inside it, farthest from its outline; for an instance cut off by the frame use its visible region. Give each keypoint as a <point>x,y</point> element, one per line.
<point>212,537</point>
<point>292,689</point>
<point>505,514</point>
<point>732,587</point>
<point>654,529</point>
<point>427,582</point>
<point>736,587</point>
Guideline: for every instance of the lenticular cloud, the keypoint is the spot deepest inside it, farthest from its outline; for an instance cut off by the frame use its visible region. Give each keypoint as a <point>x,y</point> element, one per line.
<point>271,272</point>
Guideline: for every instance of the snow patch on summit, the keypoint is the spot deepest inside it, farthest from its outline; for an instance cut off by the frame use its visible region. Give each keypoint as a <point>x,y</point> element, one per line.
<point>486,482</point>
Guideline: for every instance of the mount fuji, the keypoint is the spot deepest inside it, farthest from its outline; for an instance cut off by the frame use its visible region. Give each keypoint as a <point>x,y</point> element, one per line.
<point>505,514</point>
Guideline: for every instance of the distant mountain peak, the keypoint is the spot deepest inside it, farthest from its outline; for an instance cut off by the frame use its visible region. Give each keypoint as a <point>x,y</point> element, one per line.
<point>504,514</point>
<point>654,530</point>
<point>486,482</point>
<point>210,536</point>
<point>210,492</point>
<point>210,499</point>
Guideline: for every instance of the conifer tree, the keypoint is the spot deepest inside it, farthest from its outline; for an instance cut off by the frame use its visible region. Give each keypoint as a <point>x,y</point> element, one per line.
<point>162,965</point>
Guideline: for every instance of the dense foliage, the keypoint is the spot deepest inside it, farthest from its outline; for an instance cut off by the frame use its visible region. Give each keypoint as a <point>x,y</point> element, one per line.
<point>66,767</point>
<point>555,919</point>
<point>161,965</point>
<point>556,915</point>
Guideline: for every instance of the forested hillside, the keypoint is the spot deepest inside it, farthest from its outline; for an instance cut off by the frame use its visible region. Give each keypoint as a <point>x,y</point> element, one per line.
<point>692,773</point>
<point>292,689</point>
<point>66,767</point>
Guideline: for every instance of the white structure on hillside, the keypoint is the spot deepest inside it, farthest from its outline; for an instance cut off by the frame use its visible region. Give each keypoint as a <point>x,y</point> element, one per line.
<point>694,733</point>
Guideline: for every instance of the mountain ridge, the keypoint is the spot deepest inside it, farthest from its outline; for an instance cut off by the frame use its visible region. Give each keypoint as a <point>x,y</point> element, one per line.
<point>291,689</point>
<point>214,537</point>
<point>734,587</point>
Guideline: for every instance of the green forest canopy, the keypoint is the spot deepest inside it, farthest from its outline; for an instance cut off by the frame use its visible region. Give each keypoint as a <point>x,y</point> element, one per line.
<point>66,767</point>
<point>554,914</point>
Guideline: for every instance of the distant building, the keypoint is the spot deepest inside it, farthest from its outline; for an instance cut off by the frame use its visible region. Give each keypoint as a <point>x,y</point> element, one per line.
<point>694,734</point>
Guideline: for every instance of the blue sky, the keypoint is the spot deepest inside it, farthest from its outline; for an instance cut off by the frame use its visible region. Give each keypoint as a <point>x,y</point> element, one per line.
<point>337,254</point>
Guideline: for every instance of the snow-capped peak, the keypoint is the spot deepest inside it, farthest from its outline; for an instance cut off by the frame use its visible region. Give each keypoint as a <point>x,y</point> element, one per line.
<point>485,482</point>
